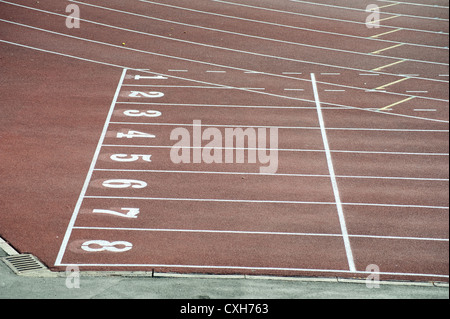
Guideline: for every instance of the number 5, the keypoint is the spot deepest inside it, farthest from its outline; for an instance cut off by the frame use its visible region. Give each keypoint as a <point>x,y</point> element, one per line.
<point>130,158</point>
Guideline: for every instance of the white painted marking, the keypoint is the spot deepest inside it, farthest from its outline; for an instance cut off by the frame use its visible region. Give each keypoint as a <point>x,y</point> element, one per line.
<point>313,16</point>
<point>364,10</point>
<point>197,81</point>
<point>334,184</point>
<point>289,26</point>
<point>294,150</point>
<point>214,200</point>
<point>287,127</point>
<point>243,268</point>
<point>269,174</point>
<point>241,232</point>
<point>90,172</point>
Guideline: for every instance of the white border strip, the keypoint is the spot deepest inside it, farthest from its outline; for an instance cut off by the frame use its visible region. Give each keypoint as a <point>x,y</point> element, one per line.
<point>256,268</point>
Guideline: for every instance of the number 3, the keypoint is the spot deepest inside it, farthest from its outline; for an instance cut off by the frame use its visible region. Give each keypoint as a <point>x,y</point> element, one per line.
<point>139,113</point>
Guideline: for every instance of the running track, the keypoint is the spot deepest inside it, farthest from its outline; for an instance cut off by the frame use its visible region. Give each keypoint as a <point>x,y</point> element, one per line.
<point>363,136</point>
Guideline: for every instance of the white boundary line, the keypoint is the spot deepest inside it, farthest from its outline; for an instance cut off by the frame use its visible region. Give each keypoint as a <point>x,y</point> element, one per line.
<point>90,172</point>
<point>337,197</point>
<point>242,232</point>
<point>257,268</point>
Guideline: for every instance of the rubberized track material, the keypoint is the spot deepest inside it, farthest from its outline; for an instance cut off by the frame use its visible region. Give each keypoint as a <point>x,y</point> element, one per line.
<point>361,113</point>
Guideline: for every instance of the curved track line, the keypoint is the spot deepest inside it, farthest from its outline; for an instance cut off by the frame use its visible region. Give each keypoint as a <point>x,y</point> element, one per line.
<point>364,10</point>
<point>209,83</point>
<point>319,17</point>
<point>293,27</point>
<point>226,66</point>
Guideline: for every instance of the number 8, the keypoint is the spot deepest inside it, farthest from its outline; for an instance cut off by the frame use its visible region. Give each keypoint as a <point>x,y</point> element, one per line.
<point>107,246</point>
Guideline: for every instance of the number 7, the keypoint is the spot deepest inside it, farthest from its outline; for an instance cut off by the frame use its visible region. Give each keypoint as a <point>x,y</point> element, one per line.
<point>132,212</point>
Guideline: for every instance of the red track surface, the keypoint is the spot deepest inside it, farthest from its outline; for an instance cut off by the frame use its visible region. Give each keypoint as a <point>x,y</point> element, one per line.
<point>383,94</point>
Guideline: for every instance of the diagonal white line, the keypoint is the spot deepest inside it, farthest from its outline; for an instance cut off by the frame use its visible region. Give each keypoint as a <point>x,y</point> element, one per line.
<point>90,172</point>
<point>337,196</point>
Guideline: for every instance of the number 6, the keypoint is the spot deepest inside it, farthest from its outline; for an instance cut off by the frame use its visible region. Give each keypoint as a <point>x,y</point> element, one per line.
<point>124,183</point>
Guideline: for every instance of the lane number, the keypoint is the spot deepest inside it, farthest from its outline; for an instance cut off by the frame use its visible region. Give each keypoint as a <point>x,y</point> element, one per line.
<point>124,183</point>
<point>137,113</point>
<point>130,212</point>
<point>104,245</point>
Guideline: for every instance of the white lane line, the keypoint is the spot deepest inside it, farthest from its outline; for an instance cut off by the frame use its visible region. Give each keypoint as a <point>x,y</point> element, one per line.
<point>268,174</point>
<point>243,268</point>
<point>334,184</point>
<point>222,66</point>
<point>415,4</point>
<point>209,83</point>
<point>90,172</point>
<point>293,27</point>
<point>286,127</point>
<point>213,71</point>
<point>245,35</point>
<point>319,17</point>
<point>250,201</point>
<point>364,10</point>
<point>218,65</point>
<point>243,232</point>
